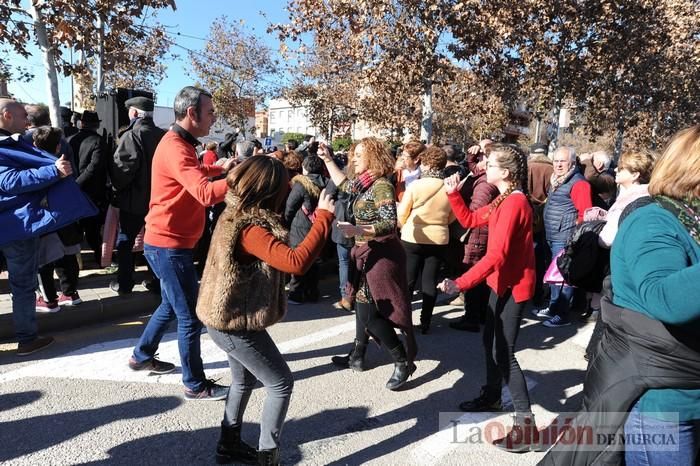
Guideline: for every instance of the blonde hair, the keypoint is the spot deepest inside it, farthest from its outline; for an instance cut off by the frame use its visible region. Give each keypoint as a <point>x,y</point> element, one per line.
<point>379,159</point>
<point>638,161</point>
<point>677,172</point>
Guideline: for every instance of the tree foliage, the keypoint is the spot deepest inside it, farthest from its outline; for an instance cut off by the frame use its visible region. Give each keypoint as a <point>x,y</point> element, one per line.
<point>236,67</point>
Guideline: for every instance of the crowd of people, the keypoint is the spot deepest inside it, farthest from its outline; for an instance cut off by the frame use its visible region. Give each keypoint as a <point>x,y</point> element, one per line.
<point>484,225</point>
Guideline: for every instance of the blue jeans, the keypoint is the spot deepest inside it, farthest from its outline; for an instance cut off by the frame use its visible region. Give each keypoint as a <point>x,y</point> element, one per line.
<point>687,440</point>
<point>178,291</point>
<point>253,356</point>
<point>343,267</point>
<point>561,296</point>
<point>22,269</point>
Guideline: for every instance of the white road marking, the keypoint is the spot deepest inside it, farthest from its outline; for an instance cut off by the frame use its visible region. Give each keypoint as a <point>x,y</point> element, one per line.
<point>432,449</point>
<point>107,361</point>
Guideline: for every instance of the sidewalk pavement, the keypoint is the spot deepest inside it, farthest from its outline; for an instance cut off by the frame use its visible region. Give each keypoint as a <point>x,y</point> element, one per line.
<point>100,303</point>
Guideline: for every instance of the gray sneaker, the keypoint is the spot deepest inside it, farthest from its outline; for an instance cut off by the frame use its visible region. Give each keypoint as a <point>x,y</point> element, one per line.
<point>211,392</point>
<point>38,344</point>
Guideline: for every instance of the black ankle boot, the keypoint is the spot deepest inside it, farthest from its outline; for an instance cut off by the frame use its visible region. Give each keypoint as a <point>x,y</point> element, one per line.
<point>231,449</point>
<point>522,437</point>
<point>402,368</point>
<point>355,360</point>
<point>488,400</point>
<point>269,457</point>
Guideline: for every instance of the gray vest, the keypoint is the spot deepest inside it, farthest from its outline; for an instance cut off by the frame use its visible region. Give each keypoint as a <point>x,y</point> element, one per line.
<point>560,213</point>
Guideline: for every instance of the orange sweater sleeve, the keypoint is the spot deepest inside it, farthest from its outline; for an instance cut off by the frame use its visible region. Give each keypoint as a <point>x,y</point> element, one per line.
<point>188,173</point>
<point>259,242</point>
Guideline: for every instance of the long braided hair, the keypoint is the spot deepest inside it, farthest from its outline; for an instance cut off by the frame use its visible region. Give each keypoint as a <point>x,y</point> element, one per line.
<point>512,158</point>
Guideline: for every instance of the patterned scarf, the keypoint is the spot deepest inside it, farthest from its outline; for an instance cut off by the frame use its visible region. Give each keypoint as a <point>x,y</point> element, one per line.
<point>686,210</point>
<point>432,173</point>
<point>359,185</point>
<point>560,180</point>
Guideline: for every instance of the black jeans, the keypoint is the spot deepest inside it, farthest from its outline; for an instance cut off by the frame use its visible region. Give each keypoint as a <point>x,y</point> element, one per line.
<point>129,227</point>
<point>500,333</point>
<point>476,303</point>
<point>424,260</point>
<point>67,270</point>
<point>367,317</point>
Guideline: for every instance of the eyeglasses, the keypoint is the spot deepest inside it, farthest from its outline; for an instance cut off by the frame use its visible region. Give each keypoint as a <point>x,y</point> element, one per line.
<point>490,165</point>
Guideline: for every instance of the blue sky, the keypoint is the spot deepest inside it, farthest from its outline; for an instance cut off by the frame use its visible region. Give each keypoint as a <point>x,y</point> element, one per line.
<point>192,18</point>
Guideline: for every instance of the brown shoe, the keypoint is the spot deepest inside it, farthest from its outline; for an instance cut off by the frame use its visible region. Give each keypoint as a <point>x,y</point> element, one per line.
<point>38,344</point>
<point>343,304</point>
<point>458,301</point>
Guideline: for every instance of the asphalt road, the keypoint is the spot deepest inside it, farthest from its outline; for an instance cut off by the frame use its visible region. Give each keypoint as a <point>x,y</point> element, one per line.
<point>78,403</point>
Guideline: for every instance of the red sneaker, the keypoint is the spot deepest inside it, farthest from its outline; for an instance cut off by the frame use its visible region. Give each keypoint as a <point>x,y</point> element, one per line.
<point>44,306</point>
<point>69,300</point>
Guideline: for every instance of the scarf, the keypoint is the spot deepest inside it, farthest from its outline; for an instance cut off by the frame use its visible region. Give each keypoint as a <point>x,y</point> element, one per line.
<point>358,186</point>
<point>432,173</point>
<point>560,180</point>
<point>687,211</point>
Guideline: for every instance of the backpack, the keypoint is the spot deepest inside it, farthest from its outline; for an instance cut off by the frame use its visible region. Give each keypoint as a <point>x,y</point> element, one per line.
<point>584,263</point>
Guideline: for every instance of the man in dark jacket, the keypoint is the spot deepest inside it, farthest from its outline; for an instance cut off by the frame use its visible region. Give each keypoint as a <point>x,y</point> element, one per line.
<point>130,172</point>
<point>92,175</point>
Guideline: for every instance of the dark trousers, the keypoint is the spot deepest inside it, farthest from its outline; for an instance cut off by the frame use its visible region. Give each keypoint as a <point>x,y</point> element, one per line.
<point>129,227</point>
<point>500,333</point>
<point>67,270</point>
<point>305,287</point>
<point>369,320</point>
<point>476,303</point>
<point>424,260</point>
<point>543,258</point>
<point>91,228</point>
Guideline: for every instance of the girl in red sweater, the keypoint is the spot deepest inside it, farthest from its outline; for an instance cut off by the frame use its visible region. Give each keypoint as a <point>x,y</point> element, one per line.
<point>509,270</point>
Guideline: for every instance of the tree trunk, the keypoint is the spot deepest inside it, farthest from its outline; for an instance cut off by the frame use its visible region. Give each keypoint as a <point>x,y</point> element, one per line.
<point>100,56</point>
<point>426,125</point>
<point>618,138</point>
<point>47,55</point>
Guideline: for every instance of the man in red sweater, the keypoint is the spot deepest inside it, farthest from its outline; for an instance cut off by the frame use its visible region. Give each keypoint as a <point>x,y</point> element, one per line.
<point>180,192</point>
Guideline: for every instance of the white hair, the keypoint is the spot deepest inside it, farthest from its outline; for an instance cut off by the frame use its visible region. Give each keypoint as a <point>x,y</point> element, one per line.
<point>571,151</point>
<point>602,157</point>
<point>142,113</point>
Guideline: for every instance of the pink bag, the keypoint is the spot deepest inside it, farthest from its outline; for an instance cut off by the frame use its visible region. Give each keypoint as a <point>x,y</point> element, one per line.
<point>552,275</point>
<point>110,234</point>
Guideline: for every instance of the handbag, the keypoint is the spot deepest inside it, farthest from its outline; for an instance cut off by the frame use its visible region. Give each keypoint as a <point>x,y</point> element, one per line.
<point>553,275</point>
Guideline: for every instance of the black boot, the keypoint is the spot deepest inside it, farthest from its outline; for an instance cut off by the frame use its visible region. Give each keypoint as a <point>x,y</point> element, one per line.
<point>269,457</point>
<point>231,449</point>
<point>402,368</point>
<point>488,400</point>
<point>355,360</point>
<point>522,437</point>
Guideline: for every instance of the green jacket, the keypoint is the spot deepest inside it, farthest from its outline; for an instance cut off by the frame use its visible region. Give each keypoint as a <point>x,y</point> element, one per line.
<point>655,266</point>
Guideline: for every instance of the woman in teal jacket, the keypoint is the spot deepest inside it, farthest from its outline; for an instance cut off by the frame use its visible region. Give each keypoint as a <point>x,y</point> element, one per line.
<point>655,265</point>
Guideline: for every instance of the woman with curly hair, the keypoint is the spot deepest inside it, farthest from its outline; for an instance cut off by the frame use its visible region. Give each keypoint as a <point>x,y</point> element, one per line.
<point>509,270</point>
<point>378,261</point>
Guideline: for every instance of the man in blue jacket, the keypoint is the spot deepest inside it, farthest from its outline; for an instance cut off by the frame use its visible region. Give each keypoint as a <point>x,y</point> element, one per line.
<point>33,201</point>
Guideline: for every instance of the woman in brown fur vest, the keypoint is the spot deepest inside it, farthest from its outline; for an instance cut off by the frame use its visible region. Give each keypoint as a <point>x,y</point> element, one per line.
<point>249,253</point>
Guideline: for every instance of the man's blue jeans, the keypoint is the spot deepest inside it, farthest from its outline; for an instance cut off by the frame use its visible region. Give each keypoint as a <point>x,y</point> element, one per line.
<point>561,296</point>
<point>22,270</point>
<point>687,439</point>
<point>343,267</point>
<point>178,291</point>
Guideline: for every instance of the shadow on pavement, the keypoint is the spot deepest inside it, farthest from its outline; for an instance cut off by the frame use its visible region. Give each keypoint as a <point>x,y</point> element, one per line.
<point>41,432</point>
<point>10,401</point>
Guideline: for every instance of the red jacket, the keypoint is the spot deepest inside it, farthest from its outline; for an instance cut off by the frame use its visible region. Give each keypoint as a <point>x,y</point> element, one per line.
<point>510,252</point>
<point>180,192</point>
